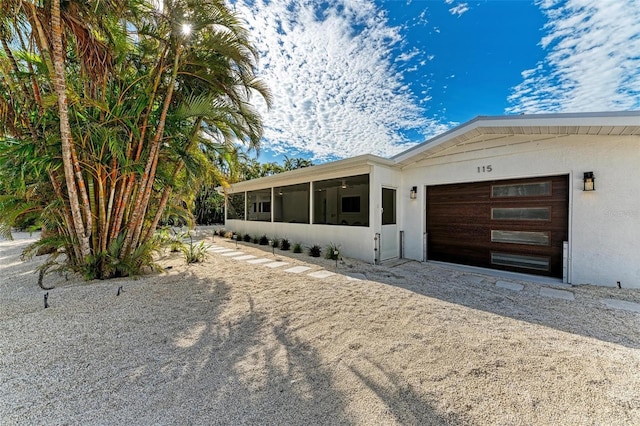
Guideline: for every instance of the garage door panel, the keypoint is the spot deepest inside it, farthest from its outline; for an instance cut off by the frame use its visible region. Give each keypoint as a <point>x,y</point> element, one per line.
<point>467,224</point>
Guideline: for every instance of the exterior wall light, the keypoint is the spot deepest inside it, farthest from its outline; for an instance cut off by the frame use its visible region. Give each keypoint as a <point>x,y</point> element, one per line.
<point>589,182</point>
<point>413,194</point>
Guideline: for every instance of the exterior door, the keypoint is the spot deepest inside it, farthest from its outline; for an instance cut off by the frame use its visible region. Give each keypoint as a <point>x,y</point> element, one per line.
<point>389,236</point>
<point>517,225</point>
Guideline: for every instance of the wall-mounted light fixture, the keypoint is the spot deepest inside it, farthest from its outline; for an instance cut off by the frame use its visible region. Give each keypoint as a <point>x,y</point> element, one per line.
<point>589,182</point>
<point>344,184</point>
<point>413,194</point>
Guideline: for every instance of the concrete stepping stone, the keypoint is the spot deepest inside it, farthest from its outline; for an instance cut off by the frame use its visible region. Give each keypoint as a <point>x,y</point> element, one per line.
<point>321,274</point>
<point>297,269</point>
<point>259,260</point>
<point>622,304</point>
<point>355,276</point>
<point>221,250</point>
<point>509,286</point>
<point>557,294</point>
<point>473,278</point>
<point>276,264</point>
<point>245,257</point>
<point>233,253</point>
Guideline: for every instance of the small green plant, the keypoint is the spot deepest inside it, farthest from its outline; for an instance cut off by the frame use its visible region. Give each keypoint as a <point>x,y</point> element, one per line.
<point>333,252</point>
<point>297,248</point>
<point>275,243</point>
<point>246,238</point>
<point>237,237</point>
<point>315,251</point>
<point>221,232</point>
<point>168,237</point>
<point>264,241</point>
<point>255,240</point>
<point>195,253</point>
<point>176,243</point>
<point>285,244</point>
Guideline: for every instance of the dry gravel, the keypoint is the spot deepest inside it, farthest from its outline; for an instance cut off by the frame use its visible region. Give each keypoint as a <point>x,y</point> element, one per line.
<point>227,342</point>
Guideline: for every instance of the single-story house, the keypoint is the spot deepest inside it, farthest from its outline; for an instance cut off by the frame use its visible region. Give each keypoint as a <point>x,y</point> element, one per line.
<point>551,194</point>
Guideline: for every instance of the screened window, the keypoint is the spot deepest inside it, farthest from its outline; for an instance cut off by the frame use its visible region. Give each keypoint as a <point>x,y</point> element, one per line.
<point>343,201</point>
<point>259,205</point>
<point>291,203</point>
<point>235,206</point>
<point>351,204</point>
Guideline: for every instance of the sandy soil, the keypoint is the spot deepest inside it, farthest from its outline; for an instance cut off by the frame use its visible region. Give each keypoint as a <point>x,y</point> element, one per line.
<point>228,342</point>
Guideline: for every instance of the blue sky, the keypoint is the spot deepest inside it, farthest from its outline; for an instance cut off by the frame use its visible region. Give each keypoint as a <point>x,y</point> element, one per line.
<point>352,77</point>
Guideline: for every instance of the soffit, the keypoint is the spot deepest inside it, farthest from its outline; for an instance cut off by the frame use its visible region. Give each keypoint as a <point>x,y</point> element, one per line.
<point>498,136</point>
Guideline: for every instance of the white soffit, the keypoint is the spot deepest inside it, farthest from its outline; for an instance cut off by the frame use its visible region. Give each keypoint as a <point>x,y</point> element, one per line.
<point>512,130</point>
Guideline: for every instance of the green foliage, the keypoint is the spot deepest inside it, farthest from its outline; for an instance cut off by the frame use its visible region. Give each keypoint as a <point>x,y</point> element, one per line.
<point>264,241</point>
<point>152,118</point>
<point>246,238</point>
<point>285,244</point>
<point>109,264</point>
<point>195,253</point>
<point>275,243</point>
<point>209,206</point>
<point>297,248</point>
<point>255,240</point>
<point>237,236</point>
<point>315,251</point>
<point>332,252</point>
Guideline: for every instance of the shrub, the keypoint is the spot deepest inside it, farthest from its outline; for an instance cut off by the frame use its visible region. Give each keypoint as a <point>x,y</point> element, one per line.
<point>228,234</point>
<point>297,248</point>
<point>246,238</point>
<point>285,244</point>
<point>275,243</point>
<point>315,251</point>
<point>264,241</point>
<point>195,253</point>
<point>238,236</point>
<point>333,252</point>
<point>221,232</point>
<point>255,240</point>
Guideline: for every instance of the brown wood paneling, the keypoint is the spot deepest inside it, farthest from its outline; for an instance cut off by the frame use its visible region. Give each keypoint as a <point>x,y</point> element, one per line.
<point>459,223</point>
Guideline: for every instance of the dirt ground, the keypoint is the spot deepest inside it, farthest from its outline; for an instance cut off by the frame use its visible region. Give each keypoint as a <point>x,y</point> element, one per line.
<point>232,342</point>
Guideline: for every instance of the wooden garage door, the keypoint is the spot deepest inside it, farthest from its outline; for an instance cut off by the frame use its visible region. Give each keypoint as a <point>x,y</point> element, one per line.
<point>515,225</point>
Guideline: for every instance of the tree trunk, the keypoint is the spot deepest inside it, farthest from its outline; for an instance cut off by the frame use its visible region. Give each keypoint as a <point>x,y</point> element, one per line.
<point>60,85</point>
<point>146,185</point>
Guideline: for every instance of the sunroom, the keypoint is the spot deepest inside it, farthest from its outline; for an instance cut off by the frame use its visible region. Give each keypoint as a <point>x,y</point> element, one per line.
<point>333,203</point>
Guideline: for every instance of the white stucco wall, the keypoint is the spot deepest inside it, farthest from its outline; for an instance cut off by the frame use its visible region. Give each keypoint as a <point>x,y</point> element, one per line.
<point>354,241</point>
<point>604,225</point>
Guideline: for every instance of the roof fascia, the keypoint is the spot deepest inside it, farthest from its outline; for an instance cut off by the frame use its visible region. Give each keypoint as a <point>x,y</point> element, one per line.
<point>307,173</point>
<point>611,118</point>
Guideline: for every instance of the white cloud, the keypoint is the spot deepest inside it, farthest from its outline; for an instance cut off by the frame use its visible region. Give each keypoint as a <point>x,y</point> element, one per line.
<point>337,91</point>
<point>459,9</point>
<point>592,61</point>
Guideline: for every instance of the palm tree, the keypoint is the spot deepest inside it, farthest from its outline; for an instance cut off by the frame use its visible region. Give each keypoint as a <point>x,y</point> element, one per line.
<point>139,105</point>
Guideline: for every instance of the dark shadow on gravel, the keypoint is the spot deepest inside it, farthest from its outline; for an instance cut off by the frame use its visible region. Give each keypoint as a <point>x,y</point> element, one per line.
<point>585,316</point>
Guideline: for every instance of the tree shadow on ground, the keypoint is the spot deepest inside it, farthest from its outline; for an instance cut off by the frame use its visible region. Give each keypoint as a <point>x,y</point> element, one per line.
<point>585,316</point>
<point>209,358</point>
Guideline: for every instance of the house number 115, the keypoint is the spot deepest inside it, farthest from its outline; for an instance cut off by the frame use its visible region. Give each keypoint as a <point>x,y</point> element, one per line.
<point>485,169</point>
